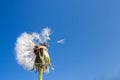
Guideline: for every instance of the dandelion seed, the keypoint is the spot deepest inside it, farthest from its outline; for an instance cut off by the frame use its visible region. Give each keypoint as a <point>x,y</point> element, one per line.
<point>60,41</point>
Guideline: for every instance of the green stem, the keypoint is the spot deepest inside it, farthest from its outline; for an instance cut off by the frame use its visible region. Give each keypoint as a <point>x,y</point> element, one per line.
<point>40,72</point>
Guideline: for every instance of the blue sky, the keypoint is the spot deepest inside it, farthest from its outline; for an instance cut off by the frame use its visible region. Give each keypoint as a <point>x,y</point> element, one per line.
<point>91,29</point>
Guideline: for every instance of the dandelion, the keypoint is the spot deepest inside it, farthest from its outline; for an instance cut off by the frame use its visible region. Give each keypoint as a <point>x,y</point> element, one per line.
<point>32,53</point>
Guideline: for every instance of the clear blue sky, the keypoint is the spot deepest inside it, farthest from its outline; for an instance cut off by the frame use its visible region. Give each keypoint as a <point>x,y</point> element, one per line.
<point>91,29</point>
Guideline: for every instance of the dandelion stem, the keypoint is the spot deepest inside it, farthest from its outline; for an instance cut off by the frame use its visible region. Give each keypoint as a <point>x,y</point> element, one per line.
<point>40,72</point>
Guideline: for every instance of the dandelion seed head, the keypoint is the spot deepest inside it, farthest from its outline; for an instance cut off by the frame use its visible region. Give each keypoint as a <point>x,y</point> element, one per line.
<point>25,44</point>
